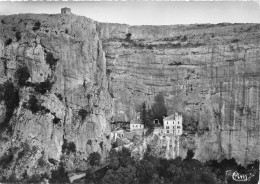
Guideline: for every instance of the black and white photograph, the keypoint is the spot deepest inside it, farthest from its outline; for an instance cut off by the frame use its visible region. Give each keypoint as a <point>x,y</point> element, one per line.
<point>129,92</point>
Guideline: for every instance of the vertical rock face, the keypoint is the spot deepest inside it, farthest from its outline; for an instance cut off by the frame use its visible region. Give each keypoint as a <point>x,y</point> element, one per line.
<point>73,75</point>
<point>207,72</point>
<point>64,52</point>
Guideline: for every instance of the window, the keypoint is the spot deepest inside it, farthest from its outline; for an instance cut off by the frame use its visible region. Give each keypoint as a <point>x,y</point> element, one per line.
<point>167,122</point>
<point>167,127</point>
<point>140,126</point>
<point>178,122</point>
<point>178,127</point>
<point>167,131</point>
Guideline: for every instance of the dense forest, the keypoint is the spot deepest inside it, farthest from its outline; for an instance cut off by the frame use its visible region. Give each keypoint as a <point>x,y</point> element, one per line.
<point>123,169</point>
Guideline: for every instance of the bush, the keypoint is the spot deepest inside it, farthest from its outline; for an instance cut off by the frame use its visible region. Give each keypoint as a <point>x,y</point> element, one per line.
<point>36,26</point>
<point>43,87</point>
<point>34,106</point>
<point>59,96</point>
<point>10,95</point>
<point>18,35</point>
<point>94,159</point>
<point>128,36</point>
<point>83,113</point>
<point>6,159</point>
<point>68,148</point>
<point>51,60</point>
<point>22,75</point>
<point>59,175</point>
<point>56,120</point>
<point>41,162</point>
<point>8,41</point>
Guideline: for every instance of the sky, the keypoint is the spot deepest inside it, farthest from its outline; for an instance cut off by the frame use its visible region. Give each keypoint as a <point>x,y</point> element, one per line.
<point>147,13</point>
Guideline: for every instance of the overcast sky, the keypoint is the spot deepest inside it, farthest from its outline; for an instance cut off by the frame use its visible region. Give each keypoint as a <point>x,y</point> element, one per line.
<point>147,13</point>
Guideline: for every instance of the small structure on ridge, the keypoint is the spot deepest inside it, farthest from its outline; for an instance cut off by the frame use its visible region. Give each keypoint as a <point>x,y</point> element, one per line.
<point>65,11</point>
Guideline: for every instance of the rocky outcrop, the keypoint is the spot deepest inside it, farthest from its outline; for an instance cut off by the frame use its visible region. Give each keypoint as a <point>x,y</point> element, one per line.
<point>65,99</point>
<point>73,75</point>
<point>209,73</point>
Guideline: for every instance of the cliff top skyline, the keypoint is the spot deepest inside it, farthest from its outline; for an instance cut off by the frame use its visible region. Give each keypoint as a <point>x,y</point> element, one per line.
<point>146,13</point>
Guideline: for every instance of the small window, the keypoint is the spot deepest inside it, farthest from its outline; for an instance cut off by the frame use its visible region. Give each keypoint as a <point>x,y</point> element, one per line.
<point>167,131</point>
<point>178,127</point>
<point>167,122</point>
<point>140,126</point>
<point>178,122</point>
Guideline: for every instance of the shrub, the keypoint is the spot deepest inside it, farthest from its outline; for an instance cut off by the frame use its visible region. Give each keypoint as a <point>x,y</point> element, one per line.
<point>59,96</point>
<point>59,175</point>
<point>43,87</point>
<point>68,148</point>
<point>94,159</point>
<point>8,41</point>
<point>6,159</point>
<point>41,162</point>
<point>52,161</point>
<point>89,142</point>
<point>36,26</point>
<point>51,60</point>
<point>32,105</point>
<point>128,36</point>
<point>101,145</point>
<point>83,113</point>
<point>18,35</point>
<point>56,120</point>
<point>10,95</point>
<point>22,75</point>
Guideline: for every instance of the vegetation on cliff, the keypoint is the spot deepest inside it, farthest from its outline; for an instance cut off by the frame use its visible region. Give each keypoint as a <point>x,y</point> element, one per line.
<point>123,169</point>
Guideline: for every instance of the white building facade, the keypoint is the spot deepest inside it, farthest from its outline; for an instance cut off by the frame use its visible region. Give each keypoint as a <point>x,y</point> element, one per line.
<point>173,124</point>
<point>136,125</point>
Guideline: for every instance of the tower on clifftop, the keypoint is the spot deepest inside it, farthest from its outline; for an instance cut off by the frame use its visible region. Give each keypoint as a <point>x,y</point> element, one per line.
<point>65,11</point>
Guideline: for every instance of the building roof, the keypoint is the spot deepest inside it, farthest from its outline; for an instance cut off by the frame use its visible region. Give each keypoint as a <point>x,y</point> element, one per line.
<point>119,129</point>
<point>136,121</point>
<point>171,117</point>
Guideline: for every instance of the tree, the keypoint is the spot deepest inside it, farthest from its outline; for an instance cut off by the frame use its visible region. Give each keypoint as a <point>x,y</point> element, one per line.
<point>22,75</point>
<point>94,159</point>
<point>147,116</point>
<point>124,175</point>
<point>59,175</point>
<point>159,109</point>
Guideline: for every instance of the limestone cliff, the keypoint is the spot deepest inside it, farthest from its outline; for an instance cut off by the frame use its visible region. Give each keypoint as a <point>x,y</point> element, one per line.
<point>209,73</point>
<point>71,76</point>
<point>64,101</point>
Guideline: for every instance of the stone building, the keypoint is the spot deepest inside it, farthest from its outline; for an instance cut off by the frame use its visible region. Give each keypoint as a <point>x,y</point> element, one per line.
<point>173,124</point>
<point>136,124</point>
<point>117,133</point>
<point>66,11</point>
